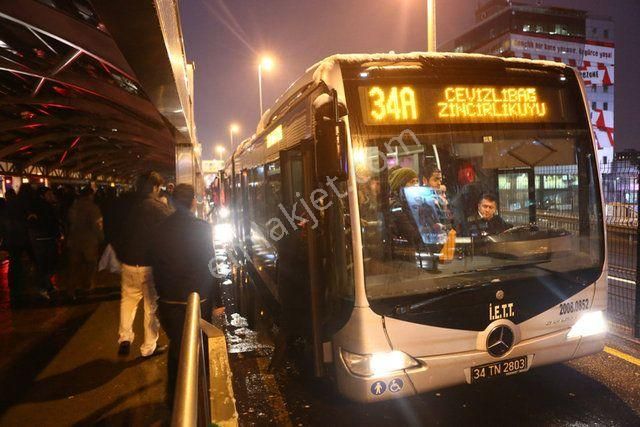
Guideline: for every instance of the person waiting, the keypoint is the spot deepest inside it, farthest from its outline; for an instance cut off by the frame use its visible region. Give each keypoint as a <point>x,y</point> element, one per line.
<point>180,253</point>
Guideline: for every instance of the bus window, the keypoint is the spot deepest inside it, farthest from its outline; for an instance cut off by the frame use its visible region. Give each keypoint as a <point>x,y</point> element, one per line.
<point>498,194</point>
<point>273,197</point>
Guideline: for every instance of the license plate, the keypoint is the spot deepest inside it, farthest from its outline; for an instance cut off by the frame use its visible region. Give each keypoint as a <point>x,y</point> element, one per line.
<point>498,369</point>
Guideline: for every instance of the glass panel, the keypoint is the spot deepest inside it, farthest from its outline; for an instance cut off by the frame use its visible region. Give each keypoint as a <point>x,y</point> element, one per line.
<point>273,196</point>
<point>16,84</point>
<point>77,9</point>
<point>91,67</point>
<point>20,46</point>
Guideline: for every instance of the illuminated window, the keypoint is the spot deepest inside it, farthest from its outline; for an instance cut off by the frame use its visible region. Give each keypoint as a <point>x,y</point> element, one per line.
<point>275,136</point>
<point>561,29</point>
<point>526,27</point>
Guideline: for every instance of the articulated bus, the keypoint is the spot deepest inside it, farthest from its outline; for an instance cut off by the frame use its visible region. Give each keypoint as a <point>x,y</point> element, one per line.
<point>425,220</point>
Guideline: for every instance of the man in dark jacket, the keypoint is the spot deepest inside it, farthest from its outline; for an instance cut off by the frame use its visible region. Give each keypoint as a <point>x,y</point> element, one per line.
<point>147,211</point>
<point>487,222</point>
<point>18,241</point>
<point>180,252</point>
<point>43,229</point>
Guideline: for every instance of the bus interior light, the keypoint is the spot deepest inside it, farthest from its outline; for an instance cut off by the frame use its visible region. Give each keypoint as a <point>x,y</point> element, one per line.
<point>377,363</point>
<point>591,323</point>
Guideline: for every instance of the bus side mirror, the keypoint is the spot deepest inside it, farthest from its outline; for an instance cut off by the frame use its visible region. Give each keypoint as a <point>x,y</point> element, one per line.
<point>331,139</point>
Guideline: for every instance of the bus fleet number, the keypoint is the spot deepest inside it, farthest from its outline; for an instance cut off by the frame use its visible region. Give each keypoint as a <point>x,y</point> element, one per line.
<point>574,306</point>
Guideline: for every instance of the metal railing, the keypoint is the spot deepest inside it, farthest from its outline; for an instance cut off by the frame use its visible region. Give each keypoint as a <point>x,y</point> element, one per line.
<point>191,401</point>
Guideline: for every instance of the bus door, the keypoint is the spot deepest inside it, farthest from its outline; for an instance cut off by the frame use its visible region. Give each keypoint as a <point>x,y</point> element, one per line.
<point>298,284</point>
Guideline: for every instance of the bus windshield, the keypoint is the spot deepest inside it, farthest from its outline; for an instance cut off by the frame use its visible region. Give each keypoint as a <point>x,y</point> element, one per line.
<point>467,182</point>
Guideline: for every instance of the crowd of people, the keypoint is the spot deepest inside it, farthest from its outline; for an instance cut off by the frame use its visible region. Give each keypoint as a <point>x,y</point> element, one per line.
<point>53,239</point>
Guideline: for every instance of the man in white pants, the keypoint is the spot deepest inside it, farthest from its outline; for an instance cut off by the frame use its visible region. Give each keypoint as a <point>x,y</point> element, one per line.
<point>146,212</point>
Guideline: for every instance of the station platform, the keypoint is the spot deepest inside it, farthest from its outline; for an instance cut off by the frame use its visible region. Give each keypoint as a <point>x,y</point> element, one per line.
<point>59,366</point>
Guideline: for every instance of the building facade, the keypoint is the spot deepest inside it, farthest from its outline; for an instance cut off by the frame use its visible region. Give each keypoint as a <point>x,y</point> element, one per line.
<point>537,31</point>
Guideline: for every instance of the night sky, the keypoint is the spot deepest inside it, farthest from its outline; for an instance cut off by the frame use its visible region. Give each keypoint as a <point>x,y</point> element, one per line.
<point>226,38</point>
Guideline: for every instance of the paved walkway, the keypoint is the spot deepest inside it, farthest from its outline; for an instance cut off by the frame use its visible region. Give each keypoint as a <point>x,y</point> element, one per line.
<point>59,366</point>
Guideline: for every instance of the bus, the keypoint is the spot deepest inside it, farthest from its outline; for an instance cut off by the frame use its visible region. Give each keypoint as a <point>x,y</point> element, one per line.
<point>424,220</point>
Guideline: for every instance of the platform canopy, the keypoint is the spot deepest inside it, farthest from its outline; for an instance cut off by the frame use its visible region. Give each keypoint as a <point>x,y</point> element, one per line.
<point>72,106</point>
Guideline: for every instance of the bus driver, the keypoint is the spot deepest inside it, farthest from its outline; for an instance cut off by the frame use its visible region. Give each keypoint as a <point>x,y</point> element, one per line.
<point>486,221</point>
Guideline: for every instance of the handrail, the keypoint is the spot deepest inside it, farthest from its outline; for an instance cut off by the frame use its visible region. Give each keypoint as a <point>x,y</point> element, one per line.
<point>192,385</point>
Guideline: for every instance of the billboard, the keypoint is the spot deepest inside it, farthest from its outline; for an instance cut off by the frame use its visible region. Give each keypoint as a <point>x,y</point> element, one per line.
<point>590,53</point>
<point>546,48</point>
<point>602,75</point>
<point>598,53</point>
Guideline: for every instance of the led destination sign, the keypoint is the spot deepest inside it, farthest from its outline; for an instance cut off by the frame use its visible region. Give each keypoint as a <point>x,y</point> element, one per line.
<point>513,103</point>
<point>409,104</point>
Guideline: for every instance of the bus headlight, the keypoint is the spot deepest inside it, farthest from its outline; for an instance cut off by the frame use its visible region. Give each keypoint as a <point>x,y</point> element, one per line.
<point>367,365</point>
<point>222,233</point>
<point>589,324</point>
<point>223,213</point>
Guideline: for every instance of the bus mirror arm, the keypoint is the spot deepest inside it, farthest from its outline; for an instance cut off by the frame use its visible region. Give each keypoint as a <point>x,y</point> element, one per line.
<point>331,147</point>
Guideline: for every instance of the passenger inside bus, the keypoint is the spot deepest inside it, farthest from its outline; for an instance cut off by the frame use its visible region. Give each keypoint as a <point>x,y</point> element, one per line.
<point>368,198</point>
<point>433,179</point>
<point>471,186</point>
<point>486,221</point>
<point>418,213</point>
<point>402,225</point>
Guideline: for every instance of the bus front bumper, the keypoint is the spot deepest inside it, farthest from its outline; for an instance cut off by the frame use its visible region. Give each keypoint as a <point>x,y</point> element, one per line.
<point>440,371</point>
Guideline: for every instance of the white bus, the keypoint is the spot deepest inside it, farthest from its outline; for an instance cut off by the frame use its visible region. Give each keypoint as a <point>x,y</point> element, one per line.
<point>424,220</point>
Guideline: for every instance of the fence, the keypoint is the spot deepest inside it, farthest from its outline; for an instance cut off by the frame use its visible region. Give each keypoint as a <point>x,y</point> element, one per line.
<point>621,189</point>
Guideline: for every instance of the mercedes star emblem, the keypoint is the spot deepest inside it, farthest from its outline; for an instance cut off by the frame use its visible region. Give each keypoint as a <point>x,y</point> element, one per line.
<point>500,341</point>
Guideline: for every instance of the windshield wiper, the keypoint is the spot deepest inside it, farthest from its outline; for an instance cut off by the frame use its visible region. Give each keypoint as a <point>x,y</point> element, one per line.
<point>418,306</point>
<point>506,267</point>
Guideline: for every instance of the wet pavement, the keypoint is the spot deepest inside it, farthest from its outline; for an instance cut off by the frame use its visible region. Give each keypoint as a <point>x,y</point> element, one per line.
<point>59,366</point>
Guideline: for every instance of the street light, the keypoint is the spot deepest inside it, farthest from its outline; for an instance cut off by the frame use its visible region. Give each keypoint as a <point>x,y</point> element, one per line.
<point>220,150</point>
<point>266,63</point>
<point>233,128</point>
<point>431,26</point>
